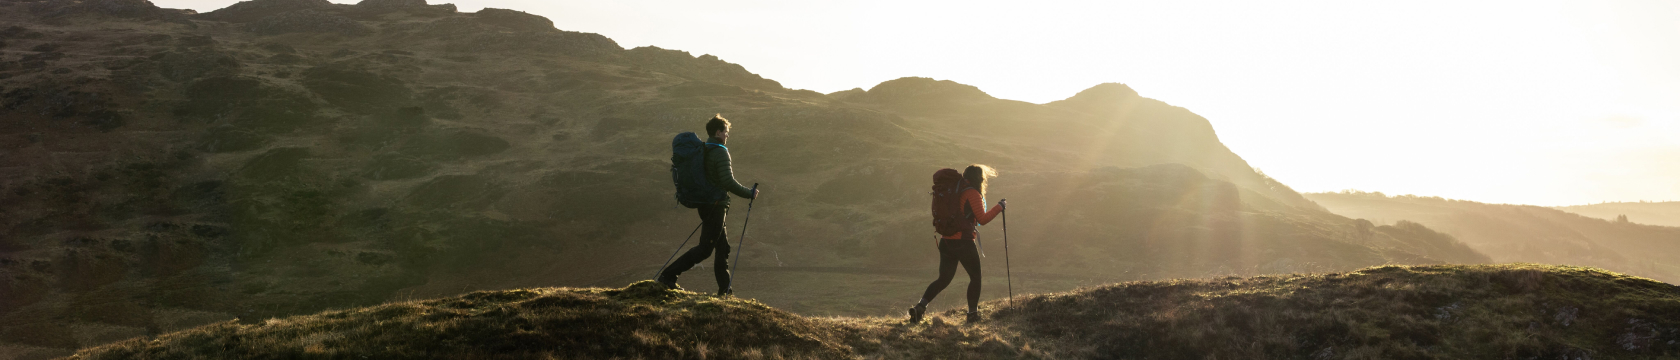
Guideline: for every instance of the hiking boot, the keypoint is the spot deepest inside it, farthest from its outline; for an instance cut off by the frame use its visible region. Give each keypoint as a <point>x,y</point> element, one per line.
<point>670,282</point>
<point>726,292</point>
<point>973,317</point>
<point>916,313</point>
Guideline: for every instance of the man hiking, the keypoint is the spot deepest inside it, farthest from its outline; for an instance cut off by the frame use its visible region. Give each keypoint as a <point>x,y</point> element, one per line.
<point>713,239</point>
<point>959,204</point>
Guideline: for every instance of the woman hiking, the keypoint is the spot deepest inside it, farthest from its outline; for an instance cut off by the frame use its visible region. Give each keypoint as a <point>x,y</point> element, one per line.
<point>959,204</point>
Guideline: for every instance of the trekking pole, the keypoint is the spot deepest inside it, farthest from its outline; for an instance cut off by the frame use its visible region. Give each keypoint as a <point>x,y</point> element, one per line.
<point>742,245</point>
<point>679,249</point>
<point>1006,273</point>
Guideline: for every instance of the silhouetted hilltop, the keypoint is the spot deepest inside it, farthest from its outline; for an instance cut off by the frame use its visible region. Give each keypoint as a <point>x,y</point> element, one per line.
<point>1425,312</point>
<point>1511,233</point>
<point>281,157</point>
<point>1652,213</point>
<point>1106,99</point>
<point>921,95</point>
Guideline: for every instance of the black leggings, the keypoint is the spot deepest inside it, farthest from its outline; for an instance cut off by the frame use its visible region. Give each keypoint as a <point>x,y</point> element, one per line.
<point>714,242</point>
<point>951,253</point>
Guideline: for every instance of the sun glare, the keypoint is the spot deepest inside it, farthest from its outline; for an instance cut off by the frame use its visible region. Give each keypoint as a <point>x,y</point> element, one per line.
<point>1533,102</point>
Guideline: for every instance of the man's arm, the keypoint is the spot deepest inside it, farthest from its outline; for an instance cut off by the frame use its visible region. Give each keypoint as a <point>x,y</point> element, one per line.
<point>722,175</point>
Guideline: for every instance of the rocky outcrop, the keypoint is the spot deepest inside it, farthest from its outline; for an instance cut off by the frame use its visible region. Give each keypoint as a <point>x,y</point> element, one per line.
<point>418,7</point>
<point>390,4</point>
<point>516,20</point>
<point>703,68</point>
<point>255,10</point>
<point>131,9</point>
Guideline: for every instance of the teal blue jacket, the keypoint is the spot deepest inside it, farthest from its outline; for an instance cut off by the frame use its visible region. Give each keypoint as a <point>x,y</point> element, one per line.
<point>721,174</point>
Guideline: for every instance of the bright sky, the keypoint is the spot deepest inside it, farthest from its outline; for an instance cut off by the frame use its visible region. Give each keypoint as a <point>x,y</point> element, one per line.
<point>1525,102</point>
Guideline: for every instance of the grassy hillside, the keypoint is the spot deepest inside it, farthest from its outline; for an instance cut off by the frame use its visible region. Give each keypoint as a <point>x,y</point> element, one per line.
<point>1510,233</point>
<point>161,169</point>
<point>1392,312</point>
<point>1649,213</point>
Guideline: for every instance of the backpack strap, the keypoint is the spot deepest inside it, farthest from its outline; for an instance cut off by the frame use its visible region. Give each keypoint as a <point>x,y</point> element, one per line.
<point>706,168</point>
<point>968,227</point>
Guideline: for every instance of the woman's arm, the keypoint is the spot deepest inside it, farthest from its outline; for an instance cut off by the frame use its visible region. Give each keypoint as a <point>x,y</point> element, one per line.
<point>978,206</point>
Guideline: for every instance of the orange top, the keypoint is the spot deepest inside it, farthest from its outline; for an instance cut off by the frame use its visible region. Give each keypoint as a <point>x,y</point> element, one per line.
<point>977,204</point>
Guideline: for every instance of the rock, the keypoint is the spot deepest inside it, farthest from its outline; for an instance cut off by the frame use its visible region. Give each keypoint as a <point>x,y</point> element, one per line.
<point>311,21</point>
<point>130,9</point>
<point>254,10</point>
<point>703,68</point>
<point>390,4</point>
<point>516,20</point>
<point>702,88</point>
<point>414,7</point>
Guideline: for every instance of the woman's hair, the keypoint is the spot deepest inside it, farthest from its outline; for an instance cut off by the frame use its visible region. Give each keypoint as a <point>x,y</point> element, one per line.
<point>977,174</point>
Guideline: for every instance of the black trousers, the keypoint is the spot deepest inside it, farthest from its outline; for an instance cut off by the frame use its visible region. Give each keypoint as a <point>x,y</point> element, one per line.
<point>714,241</point>
<point>951,253</point>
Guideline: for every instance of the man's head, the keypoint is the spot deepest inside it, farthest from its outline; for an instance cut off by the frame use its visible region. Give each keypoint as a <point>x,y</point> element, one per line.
<point>718,127</point>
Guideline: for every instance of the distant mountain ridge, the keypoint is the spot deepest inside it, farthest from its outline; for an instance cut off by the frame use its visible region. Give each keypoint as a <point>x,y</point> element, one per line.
<point>1653,213</point>
<point>1524,233</point>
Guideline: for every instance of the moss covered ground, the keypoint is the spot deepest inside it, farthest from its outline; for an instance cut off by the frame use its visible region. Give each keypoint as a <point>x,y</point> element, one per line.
<point>1512,311</point>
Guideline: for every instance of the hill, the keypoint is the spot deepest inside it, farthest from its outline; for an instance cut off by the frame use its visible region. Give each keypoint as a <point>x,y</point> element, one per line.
<point>1523,233</point>
<point>1391,312</point>
<point>1650,213</point>
<point>162,169</point>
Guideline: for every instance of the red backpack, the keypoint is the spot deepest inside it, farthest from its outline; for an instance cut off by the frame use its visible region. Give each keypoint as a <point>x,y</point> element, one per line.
<point>950,216</point>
